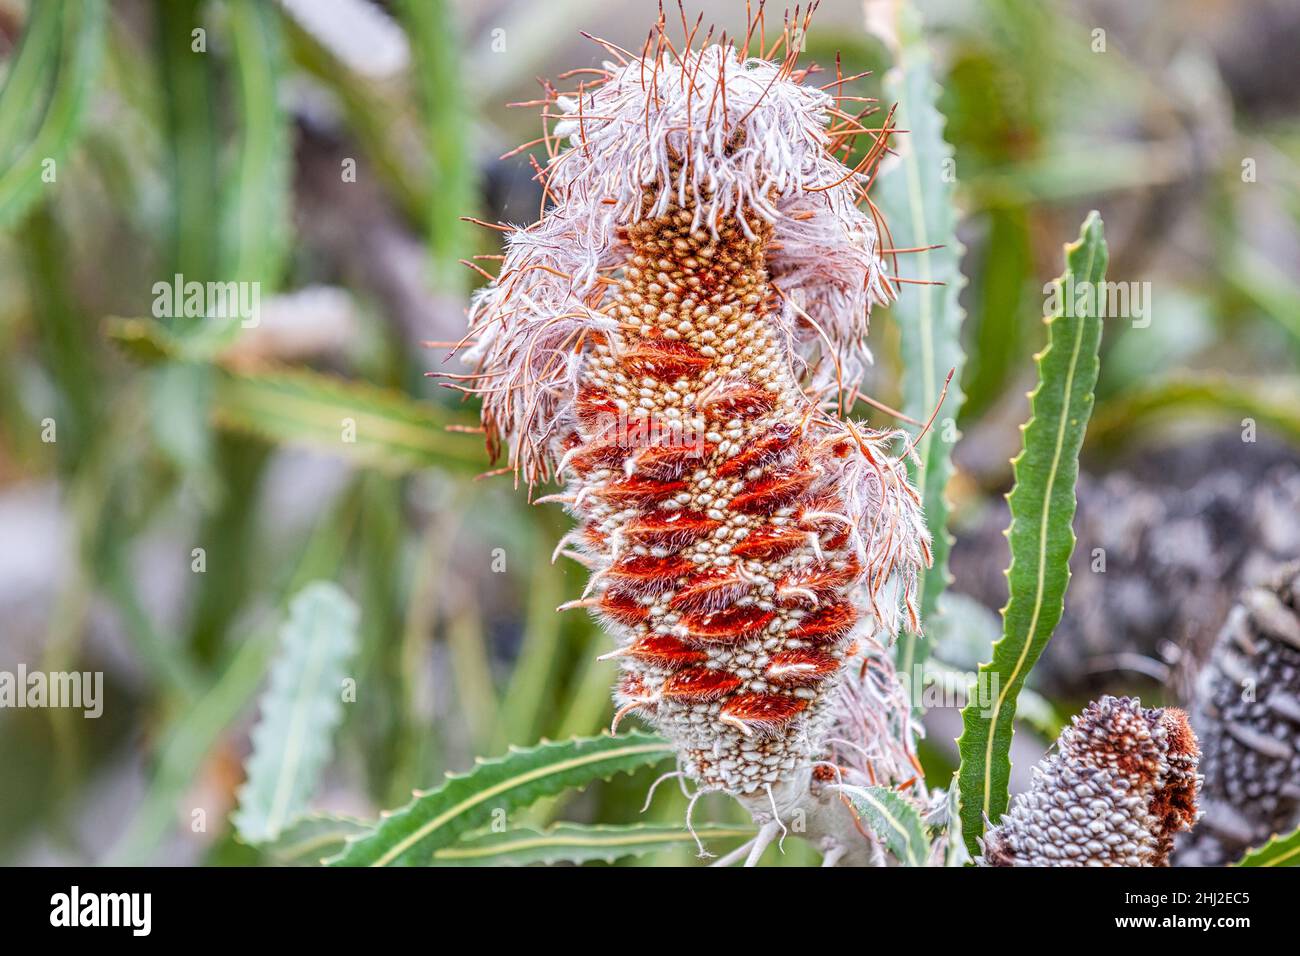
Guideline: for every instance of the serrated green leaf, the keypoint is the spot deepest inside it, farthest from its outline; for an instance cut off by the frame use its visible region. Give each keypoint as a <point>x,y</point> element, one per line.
<point>294,736</point>
<point>577,843</point>
<point>435,818</point>
<point>1041,533</point>
<point>308,839</point>
<point>916,198</point>
<point>1279,851</point>
<point>894,820</point>
<point>72,53</point>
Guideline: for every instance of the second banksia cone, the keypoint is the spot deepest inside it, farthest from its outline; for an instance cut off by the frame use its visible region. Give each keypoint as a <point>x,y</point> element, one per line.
<point>1247,713</point>
<point>1122,782</point>
<point>674,339</point>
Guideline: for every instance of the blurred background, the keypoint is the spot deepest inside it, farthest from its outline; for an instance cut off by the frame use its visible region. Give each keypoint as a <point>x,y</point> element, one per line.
<point>167,484</point>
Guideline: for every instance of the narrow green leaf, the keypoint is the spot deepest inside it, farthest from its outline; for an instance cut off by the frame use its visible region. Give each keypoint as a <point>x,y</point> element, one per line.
<point>186,747</point>
<point>188,84</point>
<point>436,818</point>
<point>894,820</point>
<point>307,840</point>
<point>526,700</point>
<point>576,843</point>
<point>1041,533</point>
<point>75,54</point>
<point>1001,306</point>
<point>300,710</point>
<point>23,95</point>
<point>1279,851</point>
<point>438,71</point>
<point>369,425</point>
<point>256,208</point>
<point>366,424</point>
<point>61,328</point>
<point>916,197</point>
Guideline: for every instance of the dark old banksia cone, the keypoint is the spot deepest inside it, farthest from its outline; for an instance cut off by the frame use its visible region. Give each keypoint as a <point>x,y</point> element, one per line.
<point>1247,715</point>
<point>1119,786</point>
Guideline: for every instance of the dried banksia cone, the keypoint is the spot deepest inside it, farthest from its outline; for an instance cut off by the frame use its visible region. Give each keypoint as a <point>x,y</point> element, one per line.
<point>1120,785</point>
<point>1247,715</point>
<point>672,340</point>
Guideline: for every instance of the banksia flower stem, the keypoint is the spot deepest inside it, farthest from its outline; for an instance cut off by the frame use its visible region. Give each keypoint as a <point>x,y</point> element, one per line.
<point>1120,785</point>
<point>1247,715</point>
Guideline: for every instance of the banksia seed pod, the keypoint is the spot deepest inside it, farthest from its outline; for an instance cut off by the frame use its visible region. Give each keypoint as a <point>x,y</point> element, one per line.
<point>1247,715</point>
<point>1120,785</point>
<point>672,339</point>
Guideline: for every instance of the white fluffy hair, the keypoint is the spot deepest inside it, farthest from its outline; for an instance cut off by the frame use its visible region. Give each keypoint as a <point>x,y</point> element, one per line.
<point>726,136</point>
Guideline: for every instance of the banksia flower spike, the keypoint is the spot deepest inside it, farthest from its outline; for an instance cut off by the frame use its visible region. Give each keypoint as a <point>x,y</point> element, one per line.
<point>1247,714</point>
<point>672,340</point>
<point>1120,785</point>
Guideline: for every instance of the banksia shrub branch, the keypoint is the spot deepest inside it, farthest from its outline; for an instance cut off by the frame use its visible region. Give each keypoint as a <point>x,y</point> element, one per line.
<point>673,340</point>
<point>1120,785</point>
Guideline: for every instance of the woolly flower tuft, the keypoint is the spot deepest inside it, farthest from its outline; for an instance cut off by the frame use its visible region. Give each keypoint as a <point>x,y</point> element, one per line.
<point>1120,785</point>
<point>734,142</point>
<point>673,340</point>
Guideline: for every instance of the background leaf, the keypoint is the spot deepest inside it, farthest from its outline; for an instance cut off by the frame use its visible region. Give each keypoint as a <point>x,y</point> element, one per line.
<point>435,818</point>
<point>1279,851</point>
<point>1041,533</point>
<point>186,746</point>
<point>451,171</point>
<point>894,820</point>
<point>916,196</point>
<point>576,843</point>
<point>300,710</point>
<point>371,426</point>
<point>1271,402</point>
<point>390,431</point>
<point>256,208</point>
<point>69,57</point>
<point>308,839</point>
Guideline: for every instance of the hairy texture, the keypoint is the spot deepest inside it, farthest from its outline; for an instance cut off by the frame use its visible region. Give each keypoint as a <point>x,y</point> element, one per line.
<point>728,144</point>
<point>1247,715</point>
<point>1120,785</point>
<point>873,728</point>
<point>671,340</point>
